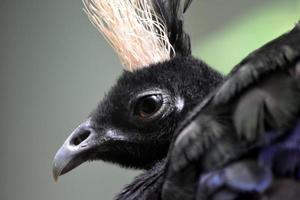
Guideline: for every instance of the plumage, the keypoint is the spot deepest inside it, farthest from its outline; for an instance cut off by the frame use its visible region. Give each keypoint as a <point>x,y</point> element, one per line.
<point>171,12</point>
<point>135,27</point>
<point>197,134</point>
<point>254,109</point>
<point>266,167</point>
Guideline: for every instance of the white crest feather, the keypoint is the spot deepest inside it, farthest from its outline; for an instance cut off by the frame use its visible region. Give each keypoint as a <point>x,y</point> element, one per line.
<point>133,30</point>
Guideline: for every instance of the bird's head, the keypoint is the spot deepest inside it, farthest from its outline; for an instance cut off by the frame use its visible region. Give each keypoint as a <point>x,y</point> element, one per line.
<point>134,123</point>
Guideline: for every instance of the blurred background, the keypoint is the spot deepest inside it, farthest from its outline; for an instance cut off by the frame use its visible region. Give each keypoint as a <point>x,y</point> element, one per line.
<point>55,67</point>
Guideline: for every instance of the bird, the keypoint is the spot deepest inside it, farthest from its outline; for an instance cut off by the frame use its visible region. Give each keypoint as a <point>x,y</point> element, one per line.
<point>164,97</point>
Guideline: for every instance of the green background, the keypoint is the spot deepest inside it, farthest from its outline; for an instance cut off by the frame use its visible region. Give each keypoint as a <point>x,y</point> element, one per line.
<point>55,67</point>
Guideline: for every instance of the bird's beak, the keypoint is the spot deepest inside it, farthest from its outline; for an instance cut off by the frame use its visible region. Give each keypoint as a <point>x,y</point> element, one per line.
<point>75,149</point>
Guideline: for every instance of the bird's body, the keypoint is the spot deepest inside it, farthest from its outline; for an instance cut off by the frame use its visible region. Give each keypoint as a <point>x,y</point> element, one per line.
<point>251,115</point>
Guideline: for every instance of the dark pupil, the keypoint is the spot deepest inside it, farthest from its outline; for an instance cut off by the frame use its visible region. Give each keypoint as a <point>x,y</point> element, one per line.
<point>149,105</point>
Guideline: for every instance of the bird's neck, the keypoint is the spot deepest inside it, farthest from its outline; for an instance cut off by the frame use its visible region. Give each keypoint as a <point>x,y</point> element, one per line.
<point>145,186</point>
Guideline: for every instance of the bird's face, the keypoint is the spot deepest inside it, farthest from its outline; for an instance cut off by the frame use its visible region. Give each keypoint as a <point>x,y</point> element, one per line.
<point>134,123</point>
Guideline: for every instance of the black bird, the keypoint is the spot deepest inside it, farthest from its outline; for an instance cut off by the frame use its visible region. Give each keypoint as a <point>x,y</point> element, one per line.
<point>135,123</point>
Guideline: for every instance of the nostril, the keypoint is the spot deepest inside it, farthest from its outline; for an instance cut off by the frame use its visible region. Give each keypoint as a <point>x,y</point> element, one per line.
<point>82,136</point>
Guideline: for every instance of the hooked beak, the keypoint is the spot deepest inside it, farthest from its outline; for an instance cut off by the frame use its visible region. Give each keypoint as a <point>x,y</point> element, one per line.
<point>74,150</point>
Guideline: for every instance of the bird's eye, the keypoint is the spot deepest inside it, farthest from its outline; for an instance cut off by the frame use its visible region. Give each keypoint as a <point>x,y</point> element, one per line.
<point>147,106</point>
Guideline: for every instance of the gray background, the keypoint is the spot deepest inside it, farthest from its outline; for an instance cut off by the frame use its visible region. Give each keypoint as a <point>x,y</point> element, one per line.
<point>54,68</point>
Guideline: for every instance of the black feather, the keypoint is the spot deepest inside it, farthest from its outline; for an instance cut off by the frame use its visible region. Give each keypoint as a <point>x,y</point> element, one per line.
<point>261,95</point>
<point>171,13</point>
